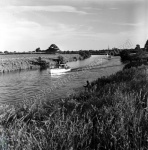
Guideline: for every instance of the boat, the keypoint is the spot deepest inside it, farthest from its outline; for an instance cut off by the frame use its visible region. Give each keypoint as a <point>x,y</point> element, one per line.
<point>61,68</point>
<point>108,56</point>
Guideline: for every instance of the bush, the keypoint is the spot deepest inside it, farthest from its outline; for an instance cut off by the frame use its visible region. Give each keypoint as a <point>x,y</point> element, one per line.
<point>125,55</point>
<point>61,59</point>
<point>84,54</point>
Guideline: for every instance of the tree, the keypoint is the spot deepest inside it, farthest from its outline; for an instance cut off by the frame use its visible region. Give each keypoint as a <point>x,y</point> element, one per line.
<point>52,49</point>
<point>146,46</point>
<point>6,52</point>
<point>60,59</point>
<point>137,47</point>
<point>124,54</point>
<point>38,49</point>
<point>84,54</point>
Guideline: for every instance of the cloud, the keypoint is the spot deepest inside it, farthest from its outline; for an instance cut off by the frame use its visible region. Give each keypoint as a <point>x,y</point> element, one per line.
<point>129,24</point>
<point>54,8</point>
<point>31,34</point>
<point>23,29</point>
<point>28,24</point>
<point>113,8</point>
<point>93,8</point>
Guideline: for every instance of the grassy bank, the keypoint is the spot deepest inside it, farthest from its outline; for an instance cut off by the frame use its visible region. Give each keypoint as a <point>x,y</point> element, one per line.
<point>27,62</point>
<point>113,115</point>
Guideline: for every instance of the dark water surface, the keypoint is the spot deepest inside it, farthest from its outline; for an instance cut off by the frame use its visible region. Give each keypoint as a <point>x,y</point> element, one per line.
<point>39,84</point>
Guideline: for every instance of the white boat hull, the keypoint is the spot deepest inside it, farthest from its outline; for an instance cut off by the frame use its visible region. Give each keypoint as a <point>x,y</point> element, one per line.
<point>108,56</point>
<point>62,70</point>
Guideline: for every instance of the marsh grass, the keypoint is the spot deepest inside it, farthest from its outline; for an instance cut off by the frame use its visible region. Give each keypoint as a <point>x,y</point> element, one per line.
<point>114,116</point>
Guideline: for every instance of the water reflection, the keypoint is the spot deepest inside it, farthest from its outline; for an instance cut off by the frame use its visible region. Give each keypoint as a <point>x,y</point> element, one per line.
<point>57,75</point>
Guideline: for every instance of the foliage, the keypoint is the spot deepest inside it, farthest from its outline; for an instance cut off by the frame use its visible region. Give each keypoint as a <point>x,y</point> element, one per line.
<point>114,52</point>
<point>125,55</point>
<point>146,46</point>
<point>38,49</point>
<point>137,47</point>
<point>6,52</point>
<point>52,49</point>
<point>114,116</point>
<point>84,54</point>
<point>60,59</point>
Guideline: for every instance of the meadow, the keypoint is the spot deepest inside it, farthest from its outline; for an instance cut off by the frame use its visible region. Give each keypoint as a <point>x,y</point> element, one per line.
<point>112,116</point>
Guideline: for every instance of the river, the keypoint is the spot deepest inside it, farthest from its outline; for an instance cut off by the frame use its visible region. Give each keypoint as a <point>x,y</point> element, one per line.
<point>39,84</point>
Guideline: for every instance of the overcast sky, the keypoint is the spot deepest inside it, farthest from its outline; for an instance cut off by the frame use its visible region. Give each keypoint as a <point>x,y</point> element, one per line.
<point>72,24</point>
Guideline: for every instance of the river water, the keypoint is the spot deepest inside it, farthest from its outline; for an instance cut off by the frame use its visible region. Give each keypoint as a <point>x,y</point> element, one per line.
<point>40,84</point>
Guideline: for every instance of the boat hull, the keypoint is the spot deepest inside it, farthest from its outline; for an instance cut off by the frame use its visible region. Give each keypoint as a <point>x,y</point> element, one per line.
<point>56,71</point>
<point>108,56</point>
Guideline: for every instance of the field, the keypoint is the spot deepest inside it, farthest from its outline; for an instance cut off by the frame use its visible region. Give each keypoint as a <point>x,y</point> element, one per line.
<point>113,115</point>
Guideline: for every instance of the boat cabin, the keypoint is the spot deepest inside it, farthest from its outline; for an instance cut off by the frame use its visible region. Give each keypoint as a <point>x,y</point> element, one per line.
<point>62,66</point>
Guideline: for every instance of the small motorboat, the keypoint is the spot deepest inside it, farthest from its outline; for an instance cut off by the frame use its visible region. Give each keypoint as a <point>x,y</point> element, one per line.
<point>108,56</point>
<point>61,68</point>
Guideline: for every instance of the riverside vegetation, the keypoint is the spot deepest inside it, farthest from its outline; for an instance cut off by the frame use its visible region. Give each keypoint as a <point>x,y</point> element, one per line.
<point>27,62</point>
<point>112,116</point>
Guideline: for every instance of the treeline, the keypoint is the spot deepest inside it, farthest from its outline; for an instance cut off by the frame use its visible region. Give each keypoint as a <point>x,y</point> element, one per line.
<point>114,52</point>
<point>82,54</point>
<point>135,54</point>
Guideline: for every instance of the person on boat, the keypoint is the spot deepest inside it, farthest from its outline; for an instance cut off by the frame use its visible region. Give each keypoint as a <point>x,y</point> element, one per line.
<point>66,67</point>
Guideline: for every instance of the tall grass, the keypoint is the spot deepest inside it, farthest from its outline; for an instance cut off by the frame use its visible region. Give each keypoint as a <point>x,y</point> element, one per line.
<point>114,116</point>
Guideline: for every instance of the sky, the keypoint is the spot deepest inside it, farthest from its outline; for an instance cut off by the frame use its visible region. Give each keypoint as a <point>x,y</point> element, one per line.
<point>72,24</point>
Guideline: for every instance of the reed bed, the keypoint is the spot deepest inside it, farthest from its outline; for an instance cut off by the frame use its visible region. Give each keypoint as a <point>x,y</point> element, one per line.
<point>114,116</point>
<point>17,62</point>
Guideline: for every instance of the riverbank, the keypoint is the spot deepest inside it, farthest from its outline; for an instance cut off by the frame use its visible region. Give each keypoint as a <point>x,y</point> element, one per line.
<point>9,64</point>
<point>113,115</point>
